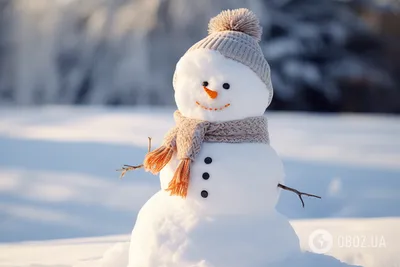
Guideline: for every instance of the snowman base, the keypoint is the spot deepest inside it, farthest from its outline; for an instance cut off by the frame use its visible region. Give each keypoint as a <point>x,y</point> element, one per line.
<point>170,232</point>
<point>117,256</point>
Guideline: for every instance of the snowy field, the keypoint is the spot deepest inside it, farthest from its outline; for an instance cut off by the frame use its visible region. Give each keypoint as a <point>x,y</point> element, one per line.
<point>62,204</point>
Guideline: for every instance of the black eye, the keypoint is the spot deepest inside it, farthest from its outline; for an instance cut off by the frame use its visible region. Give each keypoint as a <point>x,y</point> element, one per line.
<point>205,83</point>
<point>226,86</point>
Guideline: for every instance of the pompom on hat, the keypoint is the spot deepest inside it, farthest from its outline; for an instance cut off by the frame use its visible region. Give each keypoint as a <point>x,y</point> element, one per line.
<point>239,20</point>
<point>235,34</point>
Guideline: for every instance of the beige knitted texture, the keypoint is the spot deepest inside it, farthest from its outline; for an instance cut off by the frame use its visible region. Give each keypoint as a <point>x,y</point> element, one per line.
<point>240,20</point>
<point>188,135</point>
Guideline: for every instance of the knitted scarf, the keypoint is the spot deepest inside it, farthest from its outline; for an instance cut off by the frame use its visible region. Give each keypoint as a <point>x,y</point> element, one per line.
<point>187,137</point>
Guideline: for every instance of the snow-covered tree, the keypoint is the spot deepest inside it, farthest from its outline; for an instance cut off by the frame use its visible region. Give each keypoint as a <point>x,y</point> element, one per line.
<point>325,58</point>
<point>6,52</point>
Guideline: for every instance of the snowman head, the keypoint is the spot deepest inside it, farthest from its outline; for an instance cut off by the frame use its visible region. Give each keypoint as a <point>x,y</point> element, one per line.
<point>225,76</point>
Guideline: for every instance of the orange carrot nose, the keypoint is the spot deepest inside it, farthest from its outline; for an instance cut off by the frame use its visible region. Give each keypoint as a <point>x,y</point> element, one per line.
<point>211,93</point>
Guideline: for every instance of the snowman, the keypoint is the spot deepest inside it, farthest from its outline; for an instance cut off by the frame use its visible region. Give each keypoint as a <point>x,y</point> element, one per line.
<point>219,175</point>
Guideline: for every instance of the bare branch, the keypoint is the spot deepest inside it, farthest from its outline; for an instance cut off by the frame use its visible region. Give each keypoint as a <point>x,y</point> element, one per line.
<point>284,187</point>
<point>149,144</point>
<point>127,168</point>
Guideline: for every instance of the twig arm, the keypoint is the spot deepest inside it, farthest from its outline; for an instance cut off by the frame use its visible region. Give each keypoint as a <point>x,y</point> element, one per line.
<point>284,187</point>
<point>127,168</point>
<point>149,144</point>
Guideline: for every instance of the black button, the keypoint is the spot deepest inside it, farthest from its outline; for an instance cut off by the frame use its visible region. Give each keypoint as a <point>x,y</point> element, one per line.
<point>204,194</point>
<point>226,86</point>
<point>206,175</point>
<point>208,160</point>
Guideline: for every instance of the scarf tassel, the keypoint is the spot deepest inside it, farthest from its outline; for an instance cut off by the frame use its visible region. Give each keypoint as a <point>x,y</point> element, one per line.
<point>179,184</point>
<point>157,159</point>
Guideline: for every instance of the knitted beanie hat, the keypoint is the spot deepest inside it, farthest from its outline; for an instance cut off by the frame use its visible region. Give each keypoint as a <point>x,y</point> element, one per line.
<point>235,34</point>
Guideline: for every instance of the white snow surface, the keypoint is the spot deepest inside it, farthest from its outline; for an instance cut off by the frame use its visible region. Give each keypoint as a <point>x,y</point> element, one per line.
<point>62,204</point>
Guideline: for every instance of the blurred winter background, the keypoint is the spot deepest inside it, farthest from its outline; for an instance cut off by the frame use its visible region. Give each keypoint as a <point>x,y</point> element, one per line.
<point>326,55</point>
<point>84,82</point>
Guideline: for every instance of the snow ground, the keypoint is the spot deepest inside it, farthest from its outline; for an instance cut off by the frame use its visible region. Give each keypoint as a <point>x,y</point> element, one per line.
<point>58,181</point>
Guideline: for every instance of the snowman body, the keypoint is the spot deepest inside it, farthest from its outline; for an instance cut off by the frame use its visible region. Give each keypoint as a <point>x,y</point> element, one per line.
<point>228,218</point>
<point>234,224</point>
<point>232,179</point>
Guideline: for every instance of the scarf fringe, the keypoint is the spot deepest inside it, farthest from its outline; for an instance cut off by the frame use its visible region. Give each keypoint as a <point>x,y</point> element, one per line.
<point>157,159</point>
<point>179,184</point>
